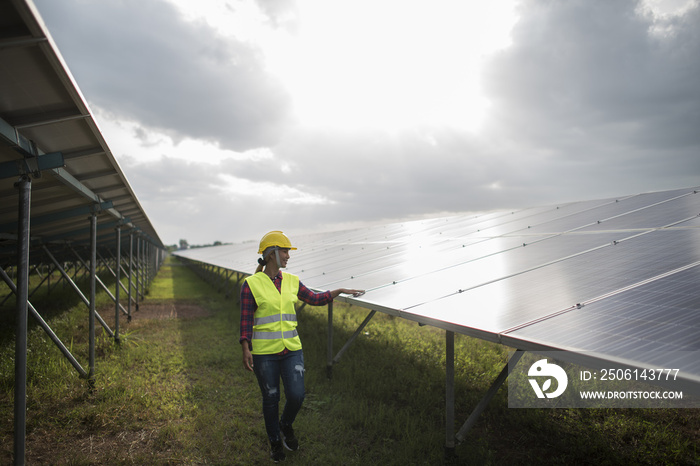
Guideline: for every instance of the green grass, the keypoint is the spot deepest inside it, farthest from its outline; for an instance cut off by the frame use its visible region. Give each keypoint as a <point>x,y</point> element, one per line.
<point>175,392</point>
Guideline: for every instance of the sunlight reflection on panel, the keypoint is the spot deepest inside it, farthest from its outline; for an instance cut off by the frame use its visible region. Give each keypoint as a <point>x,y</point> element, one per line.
<point>563,285</point>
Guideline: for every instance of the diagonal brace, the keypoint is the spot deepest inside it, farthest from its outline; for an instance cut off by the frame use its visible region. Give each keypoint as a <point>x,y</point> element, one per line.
<point>332,360</point>
<point>99,281</point>
<point>489,395</point>
<point>121,270</point>
<point>353,337</point>
<point>47,329</point>
<point>77,290</point>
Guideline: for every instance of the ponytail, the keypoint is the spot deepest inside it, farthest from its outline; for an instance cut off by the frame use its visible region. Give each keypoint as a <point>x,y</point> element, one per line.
<point>261,265</point>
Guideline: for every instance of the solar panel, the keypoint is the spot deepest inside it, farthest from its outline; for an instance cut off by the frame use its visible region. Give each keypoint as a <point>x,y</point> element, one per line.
<point>662,314</point>
<point>617,277</point>
<point>537,292</point>
<point>616,212</point>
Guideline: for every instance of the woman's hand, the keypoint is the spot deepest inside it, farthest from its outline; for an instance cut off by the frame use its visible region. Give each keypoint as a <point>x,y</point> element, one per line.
<point>247,356</point>
<point>354,293</point>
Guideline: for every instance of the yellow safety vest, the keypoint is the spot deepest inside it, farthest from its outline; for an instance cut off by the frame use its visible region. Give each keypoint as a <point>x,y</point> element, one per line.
<point>275,320</point>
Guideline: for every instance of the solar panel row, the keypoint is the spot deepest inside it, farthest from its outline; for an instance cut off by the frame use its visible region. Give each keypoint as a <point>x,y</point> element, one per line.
<point>613,278</point>
<point>43,115</point>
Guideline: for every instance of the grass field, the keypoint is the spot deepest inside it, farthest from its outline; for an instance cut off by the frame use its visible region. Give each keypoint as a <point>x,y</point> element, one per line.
<point>175,392</point>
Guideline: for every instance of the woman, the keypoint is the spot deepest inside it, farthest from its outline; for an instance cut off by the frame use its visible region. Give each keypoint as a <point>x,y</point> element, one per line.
<point>270,342</point>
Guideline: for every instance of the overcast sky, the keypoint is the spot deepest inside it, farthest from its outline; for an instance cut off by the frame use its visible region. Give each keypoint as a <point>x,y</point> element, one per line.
<point>234,117</point>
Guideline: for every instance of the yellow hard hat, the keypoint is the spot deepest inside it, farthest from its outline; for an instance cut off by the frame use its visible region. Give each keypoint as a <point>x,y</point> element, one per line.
<point>274,239</point>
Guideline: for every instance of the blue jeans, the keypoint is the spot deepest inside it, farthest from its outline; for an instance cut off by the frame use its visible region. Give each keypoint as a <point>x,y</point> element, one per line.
<point>268,369</point>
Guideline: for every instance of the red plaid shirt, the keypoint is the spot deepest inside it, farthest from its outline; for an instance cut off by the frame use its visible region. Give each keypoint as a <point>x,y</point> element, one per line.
<point>249,306</point>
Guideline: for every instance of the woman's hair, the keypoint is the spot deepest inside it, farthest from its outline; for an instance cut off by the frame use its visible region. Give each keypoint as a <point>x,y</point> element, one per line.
<point>261,265</point>
<point>262,261</point>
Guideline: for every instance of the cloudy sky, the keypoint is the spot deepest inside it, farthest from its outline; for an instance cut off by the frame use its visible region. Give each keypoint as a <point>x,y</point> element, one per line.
<point>234,117</point>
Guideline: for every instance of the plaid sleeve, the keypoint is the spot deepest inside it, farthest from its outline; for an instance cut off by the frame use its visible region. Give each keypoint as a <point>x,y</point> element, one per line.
<point>313,299</point>
<point>248,307</point>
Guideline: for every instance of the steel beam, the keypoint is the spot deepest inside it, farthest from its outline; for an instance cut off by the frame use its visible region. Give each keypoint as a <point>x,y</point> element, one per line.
<point>117,285</point>
<point>329,365</point>
<point>69,180</point>
<point>138,271</point>
<point>131,265</point>
<point>24,42</point>
<point>25,190</point>
<point>56,216</point>
<point>29,165</point>
<point>91,318</point>
<point>77,154</point>
<point>51,118</point>
<point>449,394</point>
<point>10,136</point>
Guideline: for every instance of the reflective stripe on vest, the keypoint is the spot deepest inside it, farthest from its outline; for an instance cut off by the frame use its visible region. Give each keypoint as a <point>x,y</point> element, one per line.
<point>275,320</point>
<point>274,335</point>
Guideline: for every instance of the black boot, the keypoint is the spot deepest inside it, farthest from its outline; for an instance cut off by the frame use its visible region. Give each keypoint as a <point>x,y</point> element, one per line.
<point>288,438</point>
<point>277,451</point>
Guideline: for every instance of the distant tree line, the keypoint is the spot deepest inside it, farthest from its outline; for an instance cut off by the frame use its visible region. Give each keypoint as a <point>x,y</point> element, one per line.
<point>185,245</point>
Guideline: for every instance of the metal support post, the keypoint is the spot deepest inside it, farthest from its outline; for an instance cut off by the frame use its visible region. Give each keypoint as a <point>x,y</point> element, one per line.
<point>114,274</point>
<point>144,267</point>
<point>449,394</point>
<point>131,270</point>
<point>149,267</point>
<point>489,395</point>
<point>153,250</point>
<point>146,271</point>
<point>137,276</point>
<point>25,192</point>
<point>91,319</point>
<point>329,366</point>
<point>117,286</point>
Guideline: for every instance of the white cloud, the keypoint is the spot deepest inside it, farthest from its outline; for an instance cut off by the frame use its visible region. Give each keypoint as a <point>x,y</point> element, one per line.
<point>419,108</point>
<point>145,63</point>
<point>273,192</point>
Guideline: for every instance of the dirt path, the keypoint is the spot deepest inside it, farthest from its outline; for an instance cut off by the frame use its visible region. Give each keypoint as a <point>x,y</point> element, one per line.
<point>169,310</point>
